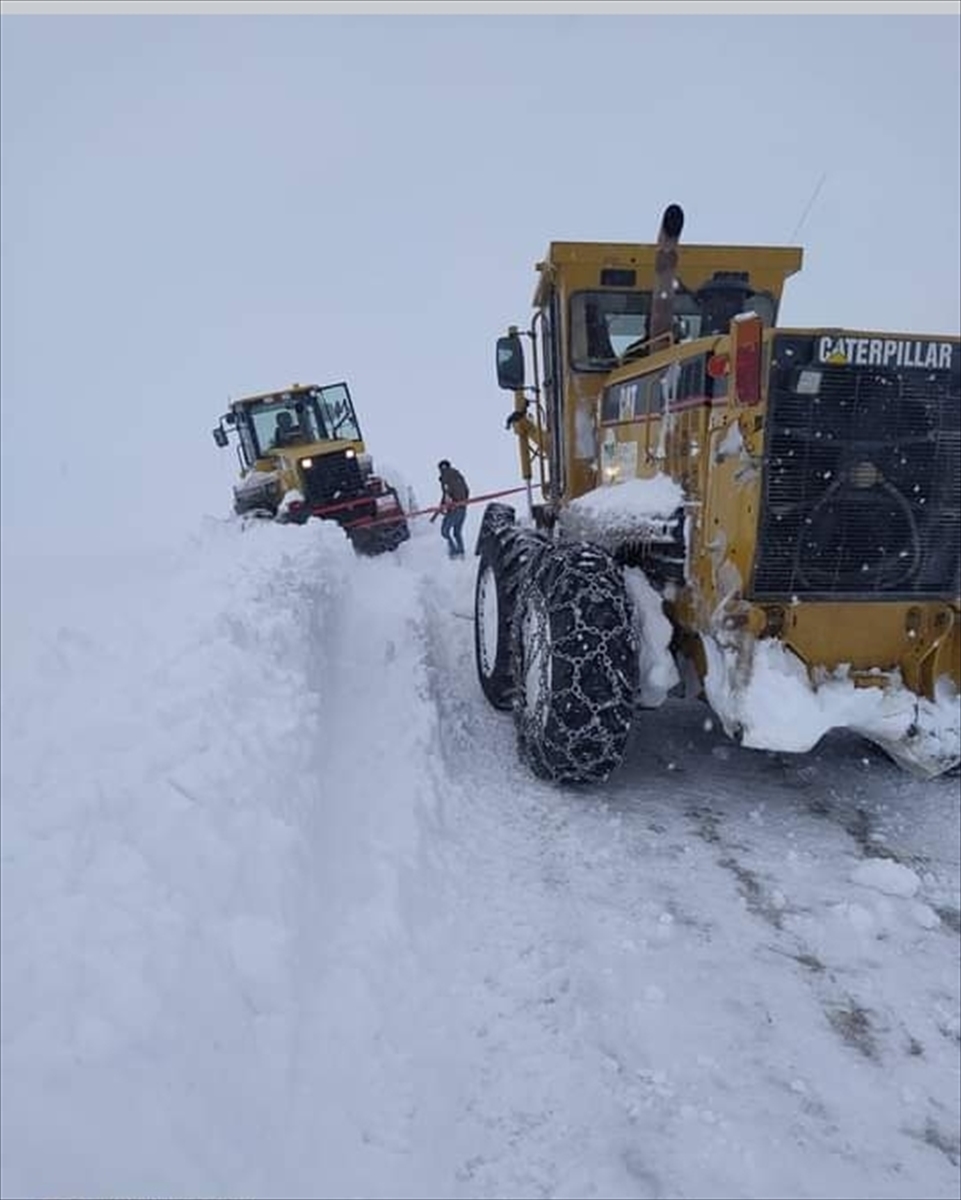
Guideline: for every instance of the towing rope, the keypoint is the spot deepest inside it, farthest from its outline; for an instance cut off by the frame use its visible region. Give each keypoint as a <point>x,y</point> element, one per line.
<point>419,512</point>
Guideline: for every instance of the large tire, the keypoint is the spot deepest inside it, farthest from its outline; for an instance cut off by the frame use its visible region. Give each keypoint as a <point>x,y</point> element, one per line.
<point>378,539</point>
<point>496,516</point>
<point>575,662</point>
<point>506,552</point>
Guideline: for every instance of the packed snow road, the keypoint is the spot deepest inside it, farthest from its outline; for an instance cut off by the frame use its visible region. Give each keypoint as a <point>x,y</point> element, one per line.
<point>283,916</point>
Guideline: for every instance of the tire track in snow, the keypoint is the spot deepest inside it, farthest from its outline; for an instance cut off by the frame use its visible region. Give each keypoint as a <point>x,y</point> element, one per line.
<point>844,941</point>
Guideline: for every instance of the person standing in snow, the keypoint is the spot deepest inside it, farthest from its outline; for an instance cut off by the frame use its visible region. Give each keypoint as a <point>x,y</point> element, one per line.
<point>454,494</point>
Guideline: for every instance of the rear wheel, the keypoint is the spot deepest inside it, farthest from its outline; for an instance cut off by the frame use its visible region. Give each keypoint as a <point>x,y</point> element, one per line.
<point>575,665</point>
<point>505,555</point>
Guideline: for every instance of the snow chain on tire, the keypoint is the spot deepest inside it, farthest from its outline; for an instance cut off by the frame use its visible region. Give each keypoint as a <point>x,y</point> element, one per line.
<point>506,552</point>
<point>575,663</point>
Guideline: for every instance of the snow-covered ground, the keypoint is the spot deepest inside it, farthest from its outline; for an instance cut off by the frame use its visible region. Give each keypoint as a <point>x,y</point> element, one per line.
<point>283,916</point>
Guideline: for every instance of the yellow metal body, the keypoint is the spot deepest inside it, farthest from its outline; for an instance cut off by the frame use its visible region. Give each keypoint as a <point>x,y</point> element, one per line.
<point>919,640</point>
<point>572,267</point>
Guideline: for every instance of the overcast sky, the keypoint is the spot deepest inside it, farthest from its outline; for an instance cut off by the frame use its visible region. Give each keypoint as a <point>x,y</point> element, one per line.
<point>198,207</point>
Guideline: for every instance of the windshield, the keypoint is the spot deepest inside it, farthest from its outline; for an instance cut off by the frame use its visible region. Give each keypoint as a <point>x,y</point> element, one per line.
<point>298,418</point>
<point>336,412</point>
<point>608,326</point>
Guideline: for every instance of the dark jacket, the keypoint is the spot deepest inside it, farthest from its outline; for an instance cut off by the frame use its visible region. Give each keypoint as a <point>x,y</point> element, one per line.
<point>454,487</point>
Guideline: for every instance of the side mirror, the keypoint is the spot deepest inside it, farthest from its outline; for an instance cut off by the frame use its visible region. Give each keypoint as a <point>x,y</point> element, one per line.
<point>220,437</point>
<point>510,362</point>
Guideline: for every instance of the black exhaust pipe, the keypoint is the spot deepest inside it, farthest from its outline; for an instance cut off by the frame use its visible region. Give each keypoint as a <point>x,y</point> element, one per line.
<point>665,272</point>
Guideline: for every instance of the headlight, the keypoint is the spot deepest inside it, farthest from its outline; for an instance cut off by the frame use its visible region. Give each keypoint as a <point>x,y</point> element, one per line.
<point>306,463</point>
<point>350,453</point>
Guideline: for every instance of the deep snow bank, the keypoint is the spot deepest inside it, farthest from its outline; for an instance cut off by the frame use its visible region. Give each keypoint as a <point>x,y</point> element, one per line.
<point>188,803</point>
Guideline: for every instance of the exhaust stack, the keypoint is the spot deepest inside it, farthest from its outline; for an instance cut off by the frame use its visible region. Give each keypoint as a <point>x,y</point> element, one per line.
<point>665,272</point>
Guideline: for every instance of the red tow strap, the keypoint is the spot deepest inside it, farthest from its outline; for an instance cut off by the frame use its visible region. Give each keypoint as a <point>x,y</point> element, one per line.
<point>420,512</point>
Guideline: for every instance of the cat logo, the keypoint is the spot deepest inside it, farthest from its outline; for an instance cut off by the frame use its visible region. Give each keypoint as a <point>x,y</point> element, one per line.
<point>885,352</point>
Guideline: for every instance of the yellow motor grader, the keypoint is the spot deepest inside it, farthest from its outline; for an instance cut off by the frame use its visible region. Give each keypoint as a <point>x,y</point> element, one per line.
<point>772,515</point>
<point>301,455</point>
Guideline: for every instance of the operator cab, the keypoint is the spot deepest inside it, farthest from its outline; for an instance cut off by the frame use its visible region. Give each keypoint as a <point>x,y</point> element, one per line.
<point>610,327</point>
<point>305,417</point>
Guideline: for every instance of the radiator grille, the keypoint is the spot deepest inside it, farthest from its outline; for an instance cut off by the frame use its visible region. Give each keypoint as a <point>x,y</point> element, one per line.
<point>861,481</point>
<point>332,477</point>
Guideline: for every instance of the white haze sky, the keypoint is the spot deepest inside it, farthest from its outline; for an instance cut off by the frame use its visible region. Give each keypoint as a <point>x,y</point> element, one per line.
<point>202,206</point>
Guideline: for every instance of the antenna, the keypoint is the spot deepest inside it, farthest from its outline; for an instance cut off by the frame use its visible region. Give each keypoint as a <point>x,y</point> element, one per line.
<point>808,206</point>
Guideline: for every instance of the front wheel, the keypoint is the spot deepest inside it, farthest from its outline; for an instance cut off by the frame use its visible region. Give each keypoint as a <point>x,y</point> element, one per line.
<point>575,666</point>
<point>506,552</point>
<point>378,539</point>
